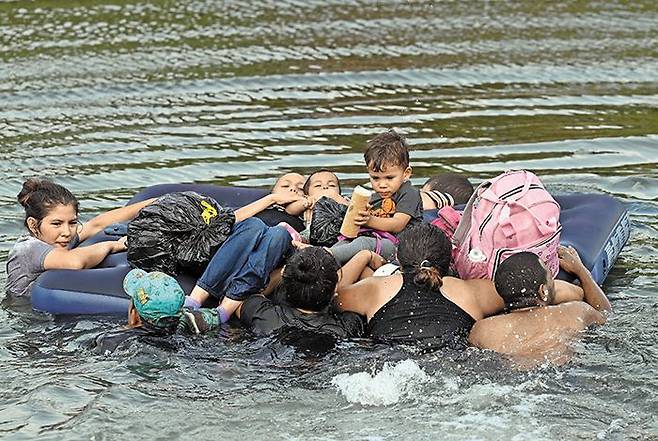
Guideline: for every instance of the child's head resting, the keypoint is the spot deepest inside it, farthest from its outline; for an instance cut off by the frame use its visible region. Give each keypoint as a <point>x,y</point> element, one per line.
<point>293,182</point>
<point>425,253</point>
<point>51,211</point>
<point>309,279</point>
<point>453,184</point>
<point>387,160</point>
<point>523,280</point>
<point>322,183</point>
<point>156,299</point>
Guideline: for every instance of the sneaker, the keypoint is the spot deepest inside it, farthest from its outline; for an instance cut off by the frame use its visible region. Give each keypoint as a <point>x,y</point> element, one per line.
<point>200,321</point>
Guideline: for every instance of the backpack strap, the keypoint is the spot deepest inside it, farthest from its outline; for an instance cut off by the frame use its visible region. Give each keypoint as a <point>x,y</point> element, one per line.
<point>465,222</point>
<point>510,227</point>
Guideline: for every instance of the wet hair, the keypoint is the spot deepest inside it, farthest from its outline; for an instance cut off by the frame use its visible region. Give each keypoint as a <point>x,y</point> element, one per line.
<point>309,278</point>
<point>40,196</point>
<point>424,251</point>
<point>307,184</point>
<point>518,279</point>
<point>388,149</point>
<point>454,184</point>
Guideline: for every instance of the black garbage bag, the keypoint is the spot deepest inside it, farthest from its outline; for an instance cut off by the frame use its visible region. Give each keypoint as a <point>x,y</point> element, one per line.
<point>178,233</point>
<point>325,225</point>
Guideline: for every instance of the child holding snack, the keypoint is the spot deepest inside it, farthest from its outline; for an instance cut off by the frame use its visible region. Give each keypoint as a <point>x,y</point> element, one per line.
<point>395,204</point>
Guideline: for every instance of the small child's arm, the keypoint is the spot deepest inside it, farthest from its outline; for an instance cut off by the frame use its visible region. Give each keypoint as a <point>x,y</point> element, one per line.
<point>394,224</point>
<point>298,206</point>
<point>264,203</point>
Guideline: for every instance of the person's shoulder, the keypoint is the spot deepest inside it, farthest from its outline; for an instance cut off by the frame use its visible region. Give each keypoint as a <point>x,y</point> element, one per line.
<point>477,286</point>
<point>27,242</point>
<point>28,249</point>
<point>487,333</point>
<point>408,188</point>
<point>254,303</point>
<point>576,314</point>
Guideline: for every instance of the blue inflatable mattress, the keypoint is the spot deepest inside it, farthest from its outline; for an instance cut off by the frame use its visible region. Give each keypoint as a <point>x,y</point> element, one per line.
<point>596,225</point>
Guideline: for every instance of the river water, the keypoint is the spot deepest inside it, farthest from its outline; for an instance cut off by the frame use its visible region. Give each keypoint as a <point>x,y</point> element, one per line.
<point>110,97</point>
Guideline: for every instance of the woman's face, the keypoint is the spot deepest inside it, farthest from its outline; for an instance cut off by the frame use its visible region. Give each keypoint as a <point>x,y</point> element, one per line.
<point>323,184</point>
<point>58,227</point>
<point>293,182</point>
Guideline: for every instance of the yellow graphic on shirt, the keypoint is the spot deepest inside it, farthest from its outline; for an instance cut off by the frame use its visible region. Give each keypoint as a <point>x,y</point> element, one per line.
<point>387,208</point>
<point>208,212</point>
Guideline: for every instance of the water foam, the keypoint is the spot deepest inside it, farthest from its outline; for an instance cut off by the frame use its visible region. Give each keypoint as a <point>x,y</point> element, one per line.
<point>388,386</point>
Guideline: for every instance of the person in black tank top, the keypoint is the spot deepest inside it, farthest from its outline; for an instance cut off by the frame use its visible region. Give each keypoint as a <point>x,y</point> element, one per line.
<point>419,305</point>
<point>420,313</point>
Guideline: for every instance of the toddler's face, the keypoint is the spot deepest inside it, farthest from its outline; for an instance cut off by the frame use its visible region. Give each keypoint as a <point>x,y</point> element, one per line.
<point>293,182</point>
<point>323,184</point>
<point>389,180</point>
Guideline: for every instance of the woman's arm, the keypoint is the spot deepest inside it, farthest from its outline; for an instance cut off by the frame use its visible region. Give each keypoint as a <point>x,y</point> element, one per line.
<point>82,257</point>
<point>363,297</point>
<point>117,215</point>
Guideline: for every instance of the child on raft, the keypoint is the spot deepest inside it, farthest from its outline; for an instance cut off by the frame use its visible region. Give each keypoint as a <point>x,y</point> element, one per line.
<point>320,183</point>
<point>54,232</point>
<point>395,205</point>
<point>285,203</point>
<point>445,190</point>
<point>324,182</point>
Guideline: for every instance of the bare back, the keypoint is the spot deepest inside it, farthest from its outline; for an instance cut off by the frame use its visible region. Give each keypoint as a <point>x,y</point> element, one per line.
<point>531,337</point>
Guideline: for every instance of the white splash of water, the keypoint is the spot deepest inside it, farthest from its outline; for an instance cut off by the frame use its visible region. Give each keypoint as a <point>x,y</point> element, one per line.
<point>386,387</point>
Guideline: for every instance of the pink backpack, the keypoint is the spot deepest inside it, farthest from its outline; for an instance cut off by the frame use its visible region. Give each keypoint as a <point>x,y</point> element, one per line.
<point>447,220</point>
<point>506,215</point>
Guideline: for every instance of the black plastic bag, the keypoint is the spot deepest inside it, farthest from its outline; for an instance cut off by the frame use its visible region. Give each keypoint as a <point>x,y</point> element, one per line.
<point>178,233</point>
<point>327,218</point>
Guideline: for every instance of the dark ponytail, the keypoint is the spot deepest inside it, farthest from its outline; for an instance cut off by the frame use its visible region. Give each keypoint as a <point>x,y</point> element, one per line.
<point>428,276</point>
<point>424,253</point>
<point>39,196</point>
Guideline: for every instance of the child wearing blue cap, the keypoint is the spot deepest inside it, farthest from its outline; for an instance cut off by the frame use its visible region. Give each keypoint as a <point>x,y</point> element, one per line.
<point>156,301</point>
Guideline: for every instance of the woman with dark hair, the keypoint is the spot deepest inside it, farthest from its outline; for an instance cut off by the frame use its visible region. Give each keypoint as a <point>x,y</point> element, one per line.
<point>54,232</point>
<point>304,293</point>
<point>419,304</point>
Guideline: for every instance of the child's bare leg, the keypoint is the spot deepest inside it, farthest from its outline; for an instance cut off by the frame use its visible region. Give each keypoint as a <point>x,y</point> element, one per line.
<point>226,309</point>
<point>198,295</point>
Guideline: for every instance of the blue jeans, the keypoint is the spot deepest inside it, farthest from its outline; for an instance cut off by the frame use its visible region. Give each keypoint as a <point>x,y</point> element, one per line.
<point>242,265</point>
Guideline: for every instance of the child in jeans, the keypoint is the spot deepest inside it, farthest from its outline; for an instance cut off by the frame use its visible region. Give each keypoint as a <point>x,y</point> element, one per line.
<point>395,204</point>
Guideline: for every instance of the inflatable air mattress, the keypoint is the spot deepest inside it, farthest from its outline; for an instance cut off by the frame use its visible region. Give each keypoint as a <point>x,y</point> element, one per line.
<point>596,225</point>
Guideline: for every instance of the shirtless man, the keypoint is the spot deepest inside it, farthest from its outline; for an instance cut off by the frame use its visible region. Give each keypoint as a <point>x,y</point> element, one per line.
<point>536,330</point>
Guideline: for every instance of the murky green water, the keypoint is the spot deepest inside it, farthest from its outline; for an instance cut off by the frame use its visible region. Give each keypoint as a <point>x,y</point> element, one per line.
<point>107,98</point>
